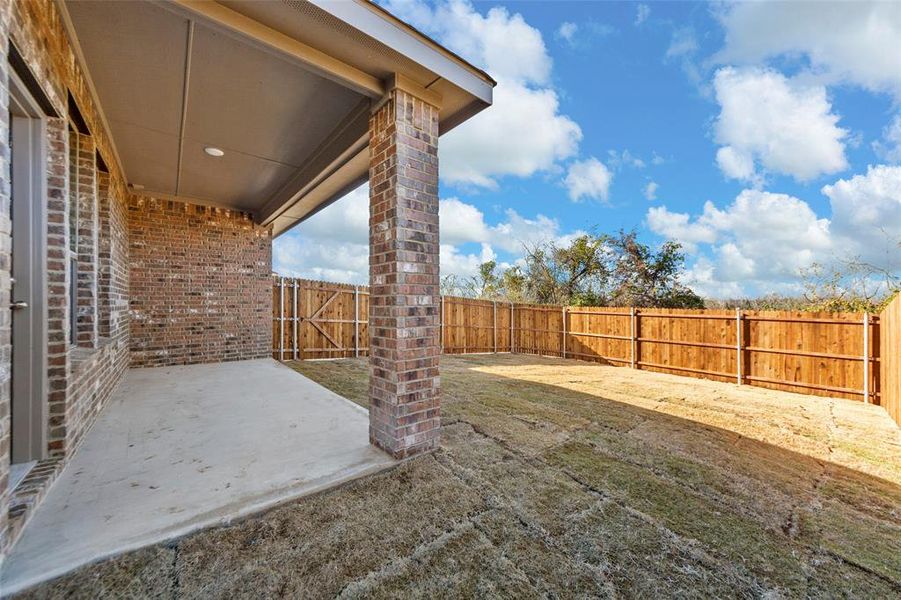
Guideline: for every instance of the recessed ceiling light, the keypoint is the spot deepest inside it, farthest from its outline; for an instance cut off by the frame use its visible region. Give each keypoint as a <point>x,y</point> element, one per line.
<point>212,151</point>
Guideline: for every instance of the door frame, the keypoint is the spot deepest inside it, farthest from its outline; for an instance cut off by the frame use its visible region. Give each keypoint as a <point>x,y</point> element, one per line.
<point>28,170</point>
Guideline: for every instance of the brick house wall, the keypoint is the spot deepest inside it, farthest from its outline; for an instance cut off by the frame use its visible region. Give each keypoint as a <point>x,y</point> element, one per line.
<point>80,378</point>
<point>200,284</point>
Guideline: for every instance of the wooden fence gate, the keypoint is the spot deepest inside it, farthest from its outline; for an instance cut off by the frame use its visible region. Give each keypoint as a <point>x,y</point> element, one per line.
<point>315,319</point>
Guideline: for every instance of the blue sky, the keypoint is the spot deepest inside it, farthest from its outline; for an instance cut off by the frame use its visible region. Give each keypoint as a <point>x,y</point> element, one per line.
<point>764,137</point>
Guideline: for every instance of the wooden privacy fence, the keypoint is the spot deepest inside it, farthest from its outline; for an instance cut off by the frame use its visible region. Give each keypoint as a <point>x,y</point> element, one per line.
<point>830,354</point>
<point>890,357</point>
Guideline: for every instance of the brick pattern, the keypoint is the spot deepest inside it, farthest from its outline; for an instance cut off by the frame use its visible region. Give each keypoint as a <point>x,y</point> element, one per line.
<point>200,286</point>
<point>104,256</point>
<point>80,379</point>
<point>84,194</point>
<point>58,232</point>
<point>404,300</point>
<point>5,265</point>
<point>29,493</point>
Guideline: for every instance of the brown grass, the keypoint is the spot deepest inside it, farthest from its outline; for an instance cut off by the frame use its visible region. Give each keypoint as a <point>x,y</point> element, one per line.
<point>558,479</point>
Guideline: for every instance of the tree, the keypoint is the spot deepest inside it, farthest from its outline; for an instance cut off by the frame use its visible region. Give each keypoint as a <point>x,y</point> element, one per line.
<point>643,277</point>
<point>513,285</point>
<point>451,286</point>
<point>555,274</point>
<point>485,284</point>
<point>848,286</point>
<point>592,270</point>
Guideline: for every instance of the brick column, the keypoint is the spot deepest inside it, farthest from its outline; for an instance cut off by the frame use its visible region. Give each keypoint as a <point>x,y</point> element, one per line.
<point>404,413</point>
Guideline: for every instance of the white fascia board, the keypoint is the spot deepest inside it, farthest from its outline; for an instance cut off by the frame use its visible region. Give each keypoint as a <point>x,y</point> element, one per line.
<point>370,22</point>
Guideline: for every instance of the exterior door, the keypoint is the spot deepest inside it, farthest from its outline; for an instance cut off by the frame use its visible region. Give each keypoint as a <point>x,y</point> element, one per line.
<point>28,307</point>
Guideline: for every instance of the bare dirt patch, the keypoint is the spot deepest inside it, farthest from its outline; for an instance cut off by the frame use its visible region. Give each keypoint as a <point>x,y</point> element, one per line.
<point>560,478</point>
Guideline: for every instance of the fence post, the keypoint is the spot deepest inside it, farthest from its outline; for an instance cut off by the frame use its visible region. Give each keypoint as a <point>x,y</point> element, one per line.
<point>296,320</point>
<point>632,337</point>
<point>356,321</point>
<point>563,312</point>
<point>465,329</point>
<point>494,324</point>
<point>511,329</point>
<point>738,357</point>
<point>441,326</point>
<point>866,357</point>
<point>281,318</point>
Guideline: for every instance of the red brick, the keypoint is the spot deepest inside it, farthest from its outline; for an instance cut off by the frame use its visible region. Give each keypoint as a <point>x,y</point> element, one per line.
<point>404,283</point>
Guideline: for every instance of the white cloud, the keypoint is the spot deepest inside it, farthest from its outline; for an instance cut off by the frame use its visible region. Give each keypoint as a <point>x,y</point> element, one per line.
<point>889,148</point>
<point>650,190</point>
<point>333,245</point>
<point>761,242</point>
<point>501,42</point>
<point>580,36</point>
<point>779,233</point>
<point>679,227</point>
<point>588,178</point>
<point>762,239</point>
<point>461,222</point>
<point>617,160</point>
<point>735,163</point>
<point>523,132</point>
<point>459,264</point>
<point>701,277</point>
<point>683,49</point>
<point>642,12</point>
<point>866,215</point>
<point>518,231</point>
<point>785,126</point>
<point>567,31</point>
<point>683,43</point>
<point>342,262</point>
<point>346,220</point>
<point>520,135</point>
<point>854,42</point>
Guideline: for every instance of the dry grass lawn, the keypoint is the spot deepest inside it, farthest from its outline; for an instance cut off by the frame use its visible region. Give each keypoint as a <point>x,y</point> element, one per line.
<point>568,479</point>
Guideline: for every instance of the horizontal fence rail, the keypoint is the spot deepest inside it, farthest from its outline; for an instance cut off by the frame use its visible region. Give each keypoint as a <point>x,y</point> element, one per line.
<point>829,354</point>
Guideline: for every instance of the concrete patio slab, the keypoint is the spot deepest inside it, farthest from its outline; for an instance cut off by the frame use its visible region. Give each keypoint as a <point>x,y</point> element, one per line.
<point>182,448</point>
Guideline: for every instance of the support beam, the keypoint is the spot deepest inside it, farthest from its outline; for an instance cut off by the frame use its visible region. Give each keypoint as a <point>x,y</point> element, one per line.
<point>404,301</point>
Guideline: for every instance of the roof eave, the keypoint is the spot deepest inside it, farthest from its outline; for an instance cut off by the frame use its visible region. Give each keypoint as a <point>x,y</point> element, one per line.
<point>374,21</point>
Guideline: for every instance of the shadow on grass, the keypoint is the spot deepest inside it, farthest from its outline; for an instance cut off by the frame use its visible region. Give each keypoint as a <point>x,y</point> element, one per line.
<point>743,499</point>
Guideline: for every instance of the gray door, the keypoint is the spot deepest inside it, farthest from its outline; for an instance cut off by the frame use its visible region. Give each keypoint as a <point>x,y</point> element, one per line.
<point>28,308</point>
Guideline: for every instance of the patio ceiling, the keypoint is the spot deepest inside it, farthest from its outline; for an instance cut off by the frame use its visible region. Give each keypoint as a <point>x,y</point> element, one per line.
<point>282,87</point>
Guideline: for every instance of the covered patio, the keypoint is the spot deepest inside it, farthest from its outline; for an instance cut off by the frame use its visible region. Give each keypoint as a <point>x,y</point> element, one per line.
<point>275,110</point>
<point>185,447</point>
